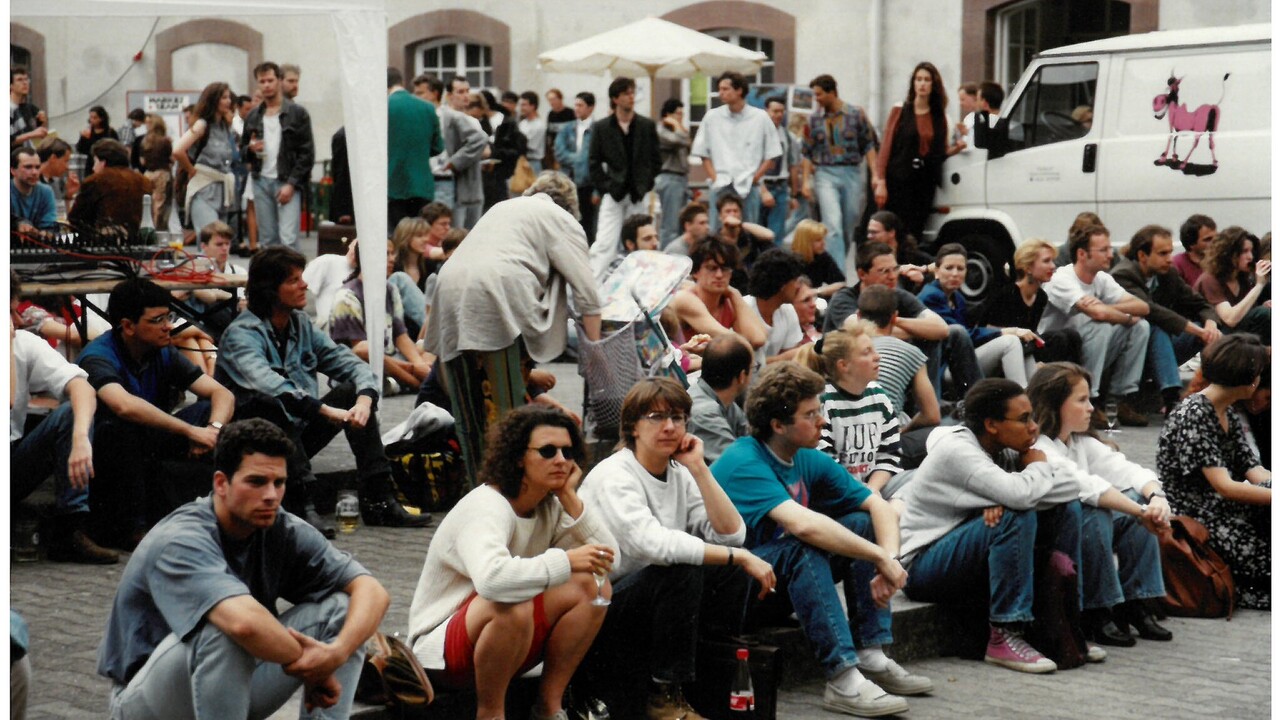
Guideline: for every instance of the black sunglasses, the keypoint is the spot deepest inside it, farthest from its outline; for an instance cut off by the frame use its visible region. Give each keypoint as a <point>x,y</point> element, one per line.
<point>549,451</point>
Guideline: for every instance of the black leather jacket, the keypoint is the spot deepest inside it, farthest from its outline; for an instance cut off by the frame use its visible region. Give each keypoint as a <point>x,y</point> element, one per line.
<point>297,148</point>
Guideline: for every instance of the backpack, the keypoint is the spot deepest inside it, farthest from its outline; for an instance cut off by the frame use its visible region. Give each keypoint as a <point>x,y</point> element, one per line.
<point>1197,580</point>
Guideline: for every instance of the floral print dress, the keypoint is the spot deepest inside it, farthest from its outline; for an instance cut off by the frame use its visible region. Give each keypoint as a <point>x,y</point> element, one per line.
<point>1193,440</point>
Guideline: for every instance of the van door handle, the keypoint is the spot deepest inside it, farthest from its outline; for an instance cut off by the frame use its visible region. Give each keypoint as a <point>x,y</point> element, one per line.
<point>1090,158</point>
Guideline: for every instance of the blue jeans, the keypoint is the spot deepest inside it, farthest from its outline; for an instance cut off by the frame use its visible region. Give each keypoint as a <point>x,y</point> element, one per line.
<point>956,354</point>
<point>673,194</point>
<point>1104,532</point>
<point>203,212</point>
<point>415,303</point>
<point>807,576</point>
<point>1165,354</point>
<point>444,191</point>
<point>750,205</point>
<point>45,450</point>
<point>840,191</point>
<point>976,563</point>
<point>209,676</point>
<point>277,224</point>
<point>775,218</point>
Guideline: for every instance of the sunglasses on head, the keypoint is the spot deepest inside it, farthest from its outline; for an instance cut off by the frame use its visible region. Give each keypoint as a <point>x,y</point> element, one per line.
<point>549,451</point>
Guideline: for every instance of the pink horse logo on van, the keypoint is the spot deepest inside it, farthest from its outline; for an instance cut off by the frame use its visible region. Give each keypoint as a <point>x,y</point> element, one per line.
<point>1200,121</point>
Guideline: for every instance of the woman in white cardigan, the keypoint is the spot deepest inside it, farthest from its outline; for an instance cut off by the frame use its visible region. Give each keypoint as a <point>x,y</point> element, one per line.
<point>509,576</point>
<point>1114,598</point>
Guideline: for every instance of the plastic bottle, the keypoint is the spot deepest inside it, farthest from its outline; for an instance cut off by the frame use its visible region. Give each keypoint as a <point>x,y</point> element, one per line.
<point>742,697</point>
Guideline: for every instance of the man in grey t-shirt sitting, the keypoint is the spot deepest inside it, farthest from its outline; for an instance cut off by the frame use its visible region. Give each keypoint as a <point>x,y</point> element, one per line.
<point>726,372</point>
<point>194,631</point>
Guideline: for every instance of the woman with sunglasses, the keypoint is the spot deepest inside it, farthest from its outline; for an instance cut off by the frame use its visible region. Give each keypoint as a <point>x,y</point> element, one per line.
<point>509,577</point>
<point>1115,525</point>
<point>680,537</point>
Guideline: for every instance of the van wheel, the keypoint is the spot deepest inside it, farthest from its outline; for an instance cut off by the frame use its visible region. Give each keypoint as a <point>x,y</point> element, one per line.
<point>985,270</point>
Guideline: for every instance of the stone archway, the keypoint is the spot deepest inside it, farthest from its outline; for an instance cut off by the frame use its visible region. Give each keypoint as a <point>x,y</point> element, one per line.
<point>407,34</point>
<point>206,30</point>
<point>32,42</point>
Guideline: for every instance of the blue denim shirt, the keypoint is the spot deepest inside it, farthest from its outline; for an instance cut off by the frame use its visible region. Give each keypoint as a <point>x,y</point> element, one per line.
<point>249,361</point>
<point>574,162</point>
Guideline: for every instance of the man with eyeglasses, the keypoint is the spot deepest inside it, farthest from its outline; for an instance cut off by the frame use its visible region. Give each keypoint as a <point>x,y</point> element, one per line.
<point>817,525</point>
<point>680,538</point>
<point>947,347</point>
<point>140,378</point>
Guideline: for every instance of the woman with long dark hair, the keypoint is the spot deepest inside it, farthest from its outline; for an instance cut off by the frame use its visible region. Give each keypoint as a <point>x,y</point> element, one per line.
<point>1233,283</point>
<point>205,152</point>
<point>99,128</point>
<point>156,151</point>
<point>912,153</point>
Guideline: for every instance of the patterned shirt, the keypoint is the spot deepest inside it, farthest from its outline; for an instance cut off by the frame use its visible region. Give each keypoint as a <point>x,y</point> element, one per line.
<point>840,139</point>
<point>861,432</point>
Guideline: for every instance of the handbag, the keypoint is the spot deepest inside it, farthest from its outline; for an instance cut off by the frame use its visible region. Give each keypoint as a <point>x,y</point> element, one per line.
<point>1197,580</point>
<point>523,177</point>
<point>392,676</point>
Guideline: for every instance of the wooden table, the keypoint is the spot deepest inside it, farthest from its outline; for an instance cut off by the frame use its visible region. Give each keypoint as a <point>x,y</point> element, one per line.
<point>82,289</point>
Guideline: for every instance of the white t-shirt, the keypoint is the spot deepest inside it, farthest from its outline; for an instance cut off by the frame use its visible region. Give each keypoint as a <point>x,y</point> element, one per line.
<point>40,369</point>
<point>324,277</point>
<point>784,331</point>
<point>736,143</point>
<point>1066,289</point>
<point>271,144</point>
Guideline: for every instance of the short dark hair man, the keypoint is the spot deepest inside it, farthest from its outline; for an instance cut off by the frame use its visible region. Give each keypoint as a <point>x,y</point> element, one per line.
<point>269,358</point>
<point>990,97</point>
<point>572,145</point>
<point>726,374</point>
<point>1110,320</point>
<point>287,175</point>
<point>736,143</point>
<point>139,377</point>
<point>31,203</point>
<point>780,186</point>
<point>534,129</point>
<point>623,161</point>
<point>55,169</point>
<point>112,196</point>
<point>773,282</point>
<point>837,161</point>
<point>27,123</point>
<point>672,182</point>
<point>413,137</point>
<point>817,526</point>
<point>290,75</point>
<point>695,224</point>
<point>457,169</point>
<point>1147,274</point>
<point>194,631</point>
<point>1196,233</point>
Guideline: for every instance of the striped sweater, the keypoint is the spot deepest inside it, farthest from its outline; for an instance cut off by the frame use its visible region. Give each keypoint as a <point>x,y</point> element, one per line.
<point>862,431</point>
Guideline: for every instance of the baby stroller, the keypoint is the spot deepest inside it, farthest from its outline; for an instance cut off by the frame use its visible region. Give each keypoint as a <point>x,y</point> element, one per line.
<point>632,342</point>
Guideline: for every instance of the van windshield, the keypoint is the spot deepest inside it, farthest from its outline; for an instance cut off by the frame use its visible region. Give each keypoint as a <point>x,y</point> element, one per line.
<point>1057,105</point>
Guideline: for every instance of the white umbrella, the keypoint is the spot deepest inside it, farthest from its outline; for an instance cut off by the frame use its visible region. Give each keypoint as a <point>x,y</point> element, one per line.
<point>652,48</point>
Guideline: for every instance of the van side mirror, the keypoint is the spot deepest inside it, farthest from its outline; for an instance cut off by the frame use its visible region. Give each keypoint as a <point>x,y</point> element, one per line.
<point>992,138</point>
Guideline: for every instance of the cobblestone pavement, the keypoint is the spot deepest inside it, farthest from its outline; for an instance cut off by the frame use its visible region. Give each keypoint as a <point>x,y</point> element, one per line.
<point>1213,668</point>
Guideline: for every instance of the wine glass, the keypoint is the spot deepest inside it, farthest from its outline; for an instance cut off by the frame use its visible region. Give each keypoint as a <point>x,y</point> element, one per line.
<point>1112,412</point>
<point>601,600</point>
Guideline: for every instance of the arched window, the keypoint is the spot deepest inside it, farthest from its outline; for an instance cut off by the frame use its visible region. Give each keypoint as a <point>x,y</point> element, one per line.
<point>447,57</point>
<point>699,92</point>
<point>26,48</point>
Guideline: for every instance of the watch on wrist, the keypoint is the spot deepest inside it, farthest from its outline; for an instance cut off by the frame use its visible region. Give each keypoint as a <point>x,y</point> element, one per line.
<point>215,425</point>
<point>1157,494</point>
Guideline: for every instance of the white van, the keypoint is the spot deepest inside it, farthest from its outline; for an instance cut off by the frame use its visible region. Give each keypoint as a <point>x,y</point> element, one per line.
<point>1180,125</point>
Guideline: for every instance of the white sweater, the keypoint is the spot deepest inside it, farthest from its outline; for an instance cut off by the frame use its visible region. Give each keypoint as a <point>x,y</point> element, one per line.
<point>958,479</point>
<point>482,546</point>
<point>1095,465</point>
<point>656,522</point>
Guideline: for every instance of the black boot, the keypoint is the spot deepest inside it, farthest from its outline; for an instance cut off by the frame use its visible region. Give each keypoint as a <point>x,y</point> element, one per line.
<point>1137,614</point>
<point>1102,629</point>
<point>379,506</point>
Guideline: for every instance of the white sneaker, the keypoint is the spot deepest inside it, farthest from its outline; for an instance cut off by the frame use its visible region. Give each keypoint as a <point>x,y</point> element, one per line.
<point>1096,653</point>
<point>869,701</point>
<point>896,680</point>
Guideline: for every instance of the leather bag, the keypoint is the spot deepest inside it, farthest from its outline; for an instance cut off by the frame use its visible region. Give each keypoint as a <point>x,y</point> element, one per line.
<point>1197,580</point>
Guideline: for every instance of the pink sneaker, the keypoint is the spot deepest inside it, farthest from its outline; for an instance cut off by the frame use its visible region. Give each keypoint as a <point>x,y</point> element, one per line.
<point>1007,649</point>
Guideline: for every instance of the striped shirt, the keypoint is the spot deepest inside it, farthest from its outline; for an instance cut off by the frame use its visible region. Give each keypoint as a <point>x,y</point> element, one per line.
<point>861,432</point>
<point>899,363</point>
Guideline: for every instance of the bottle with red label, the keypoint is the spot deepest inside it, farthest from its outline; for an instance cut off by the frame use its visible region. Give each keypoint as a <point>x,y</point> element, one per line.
<point>742,697</point>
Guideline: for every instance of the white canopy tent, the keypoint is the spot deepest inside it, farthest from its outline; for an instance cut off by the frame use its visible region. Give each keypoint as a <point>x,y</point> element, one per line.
<point>360,27</point>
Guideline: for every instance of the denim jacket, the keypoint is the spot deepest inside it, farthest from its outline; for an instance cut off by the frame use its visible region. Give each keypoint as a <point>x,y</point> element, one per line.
<point>249,362</point>
<point>297,148</point>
